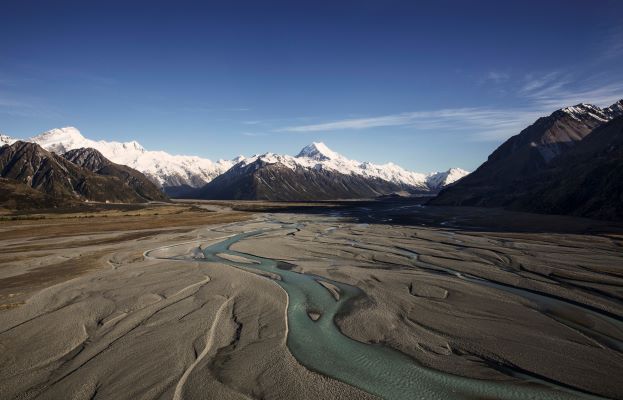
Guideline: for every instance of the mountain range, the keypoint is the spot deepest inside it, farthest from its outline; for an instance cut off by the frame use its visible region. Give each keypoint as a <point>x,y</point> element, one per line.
<point>187,175</point>
<point>95,162</point>
<point>318,173</point>
<point>162,168</point>
<point>82,175</point>
<point>570,162</point>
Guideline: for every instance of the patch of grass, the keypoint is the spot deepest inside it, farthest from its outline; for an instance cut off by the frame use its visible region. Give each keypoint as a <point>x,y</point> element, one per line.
<point>69,225</point>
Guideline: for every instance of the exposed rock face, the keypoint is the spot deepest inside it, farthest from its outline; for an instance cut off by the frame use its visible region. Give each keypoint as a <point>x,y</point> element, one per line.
<point>560,164</point>
<point>586,180</point>
<point>274,181</point>
<point>180,175</point>
<point>318,173</point>
<point>94,161</point>
<point>526,154</point>
<point>59,178</point>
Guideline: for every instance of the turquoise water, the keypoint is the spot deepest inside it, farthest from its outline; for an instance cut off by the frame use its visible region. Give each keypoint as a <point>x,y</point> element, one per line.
<point>320,346</point>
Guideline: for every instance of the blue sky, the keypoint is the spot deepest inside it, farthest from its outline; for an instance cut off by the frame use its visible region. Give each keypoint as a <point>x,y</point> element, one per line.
<point>428,85</point>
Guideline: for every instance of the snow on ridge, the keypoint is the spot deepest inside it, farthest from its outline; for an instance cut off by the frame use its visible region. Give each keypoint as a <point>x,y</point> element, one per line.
<point>614,110</point>
<point>4,139</point>
<point>318,151</point>
<point>61,140</point>
<point>438,180</point>
<point>166,169</point>
<point>582,110</point>
<point>318,156</point>
<point>161,167</point>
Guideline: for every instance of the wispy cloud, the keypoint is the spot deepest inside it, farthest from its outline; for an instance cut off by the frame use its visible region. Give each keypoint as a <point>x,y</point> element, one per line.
<point>541,94</point>
<point>601,96</point>
<point>487,122</point>
<point>533,83</point>
<point>356,123</point>
<point>555,90</point>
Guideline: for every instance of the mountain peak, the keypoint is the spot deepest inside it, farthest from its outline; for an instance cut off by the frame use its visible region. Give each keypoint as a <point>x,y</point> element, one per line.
<point>438,180</point>
<point>580,109</point>
<point>134,145</point>
<point>615,110</point>
<point>584,110</point>
<point>60,140</point>
<point>4,139</point>
<point>318,151</point>
<point>66,133</point>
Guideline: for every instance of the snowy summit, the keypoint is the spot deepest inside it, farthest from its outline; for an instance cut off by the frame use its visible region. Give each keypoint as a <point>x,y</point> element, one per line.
<point>162,168</point>
<point>168,170</point>
<point>318,151</point>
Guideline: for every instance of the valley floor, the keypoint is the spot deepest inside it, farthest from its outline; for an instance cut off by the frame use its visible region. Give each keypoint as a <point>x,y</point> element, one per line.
<point>125,306</point>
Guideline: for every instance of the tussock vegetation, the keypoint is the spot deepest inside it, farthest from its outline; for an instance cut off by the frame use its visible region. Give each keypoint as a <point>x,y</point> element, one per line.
<point>112,220</point>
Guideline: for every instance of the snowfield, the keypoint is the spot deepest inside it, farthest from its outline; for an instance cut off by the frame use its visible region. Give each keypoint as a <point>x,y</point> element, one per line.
<point>318,156</point>
<point>168,170</point>
<point>162,168</point>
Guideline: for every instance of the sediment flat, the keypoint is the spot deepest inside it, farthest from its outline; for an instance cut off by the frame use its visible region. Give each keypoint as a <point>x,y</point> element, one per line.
<point>86,314</point>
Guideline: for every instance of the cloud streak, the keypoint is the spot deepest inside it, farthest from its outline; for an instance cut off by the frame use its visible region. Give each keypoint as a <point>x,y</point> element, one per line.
<point>559,93</point>
<point>488,123</point>
<point>542,95</point>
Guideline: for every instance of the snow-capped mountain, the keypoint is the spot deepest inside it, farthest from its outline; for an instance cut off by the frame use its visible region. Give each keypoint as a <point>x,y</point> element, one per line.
<point>567,162</point>
<point>318,173</point>
<point>439,180</point>
<point>60,180</point>
<point>571,125</point>
<point>174,173</point>
<point>318,151</point>
<point>320,157</point>
<point>162,168</point>
<point>583,111</point>
<point>94,161</point>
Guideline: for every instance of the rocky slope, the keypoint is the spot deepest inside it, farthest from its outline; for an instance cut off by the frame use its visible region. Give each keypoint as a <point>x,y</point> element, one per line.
<point>519,173</point>
<point>262,180</point>
<point>317,173</point>
<point>318,156</point>
<point>29,164</point>
<point>586,180</point>
<point>180,174</point>
<point>15,195</point>
<point>162,168</point>
<point>94,161</point>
